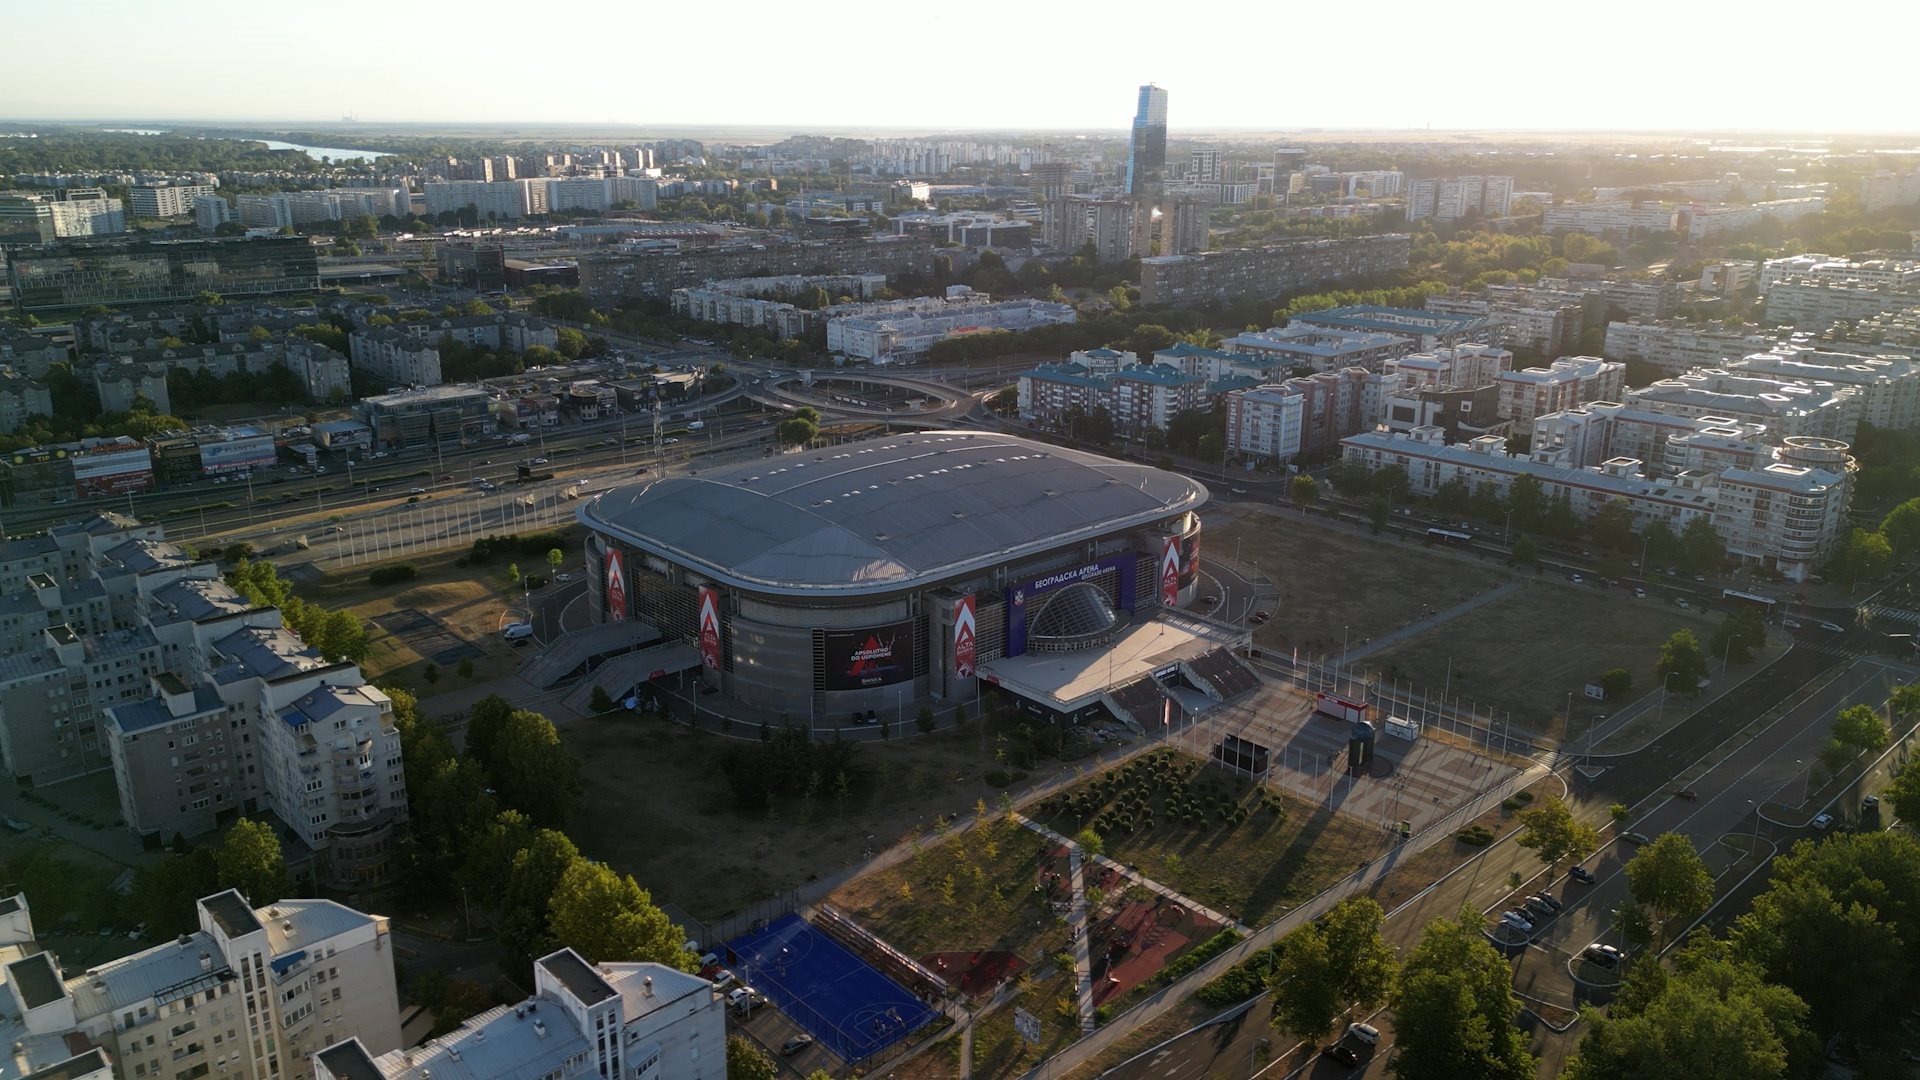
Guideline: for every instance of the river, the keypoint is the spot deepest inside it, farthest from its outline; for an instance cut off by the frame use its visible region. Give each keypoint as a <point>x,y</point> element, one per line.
<point>317,152</point>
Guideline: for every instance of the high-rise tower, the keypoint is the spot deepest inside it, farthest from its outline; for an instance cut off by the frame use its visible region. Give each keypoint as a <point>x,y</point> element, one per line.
<point>1147,153</point>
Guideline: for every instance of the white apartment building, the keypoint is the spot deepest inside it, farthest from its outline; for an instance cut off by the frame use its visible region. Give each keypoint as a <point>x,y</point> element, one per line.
<point>1814,304</point>
<point>1563,384</point>
<point>1706,221</point>
<point>1678,347</point>
<point>396,356</point>
<point>263,211</point>
<point>1447,369</point>
<point>1265,423</point>
<point>1322,348</point>
<point>1877,273</point>
<point>1450,200</point>
<point>500,199</point>
<point>252,994</point>
<point>579,193</point>
<point>82,213</point>
<point>1613,219</point>
<point>1138,397</point>
<point>1331,406</point>
<point>583,1022</point>
<point>331,204</point>
<point>211,211</point>
<point>164,201</point>
<point>1787,515</point>
<point>1888,386</point>
<point>906,329</point>
<point>642,191</point>
<point>1664,444</point>
<point>1784,407</point>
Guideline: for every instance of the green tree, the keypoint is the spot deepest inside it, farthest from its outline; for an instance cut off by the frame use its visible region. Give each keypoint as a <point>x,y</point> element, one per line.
<point>1716,1017</point>
<point>1670,880</point>
<point>1901,527</point>
<point>555,557</point>
<point>249,859</point>
<point>526,903</point>
<point>1738,635</point>
<point>1616,682</point>
<point>466,668</point>
<point>1904,793</point>
<point>1681,666</point>
<point>1554,834</point>
<point>1090,842</point>
<point>1861,729</point>
<point>1329,965</point>
<point>1701,548</point>
<point>533,771</point>
<point>1525,552</point>
<point>746,1061</point>
<point>1455,1008</point>
<point>605,916</point>
<point>797,431</point>
<point>1612,526</point>
<point>1527,501</point>
<point>1304,489</point>
<point>600,701</point>
<point>1864,557</point>
<point>1379,510</point>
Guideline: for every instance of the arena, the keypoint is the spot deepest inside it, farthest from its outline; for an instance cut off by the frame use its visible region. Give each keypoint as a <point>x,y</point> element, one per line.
<point>876,575</point>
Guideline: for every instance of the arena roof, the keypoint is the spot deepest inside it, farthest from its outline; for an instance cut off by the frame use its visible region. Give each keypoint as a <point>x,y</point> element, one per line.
<point>889,514</point>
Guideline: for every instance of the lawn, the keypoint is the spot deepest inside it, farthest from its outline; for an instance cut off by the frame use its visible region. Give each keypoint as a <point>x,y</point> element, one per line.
<point>664,813</point>
<point>1000,1052</point>
<point>1521,655</point>
<point>1232,845</point>
<point>1335,585</point>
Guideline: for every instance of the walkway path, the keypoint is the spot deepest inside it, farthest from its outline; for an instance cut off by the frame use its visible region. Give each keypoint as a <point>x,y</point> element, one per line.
<point>1389,640</point>
<point>1082,948</point>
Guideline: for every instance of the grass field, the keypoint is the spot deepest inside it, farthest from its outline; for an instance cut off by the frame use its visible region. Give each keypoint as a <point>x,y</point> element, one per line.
<point>667,815</point>
<point>975,891</point>
<point>1334,584</point>
<point>1521,655</point>
<point>473,602</point>
<point>1000,1052</point>
<point>1231,845</point>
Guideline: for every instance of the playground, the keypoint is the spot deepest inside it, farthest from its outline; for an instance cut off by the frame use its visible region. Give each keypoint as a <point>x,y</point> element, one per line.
<point>842,1001</point>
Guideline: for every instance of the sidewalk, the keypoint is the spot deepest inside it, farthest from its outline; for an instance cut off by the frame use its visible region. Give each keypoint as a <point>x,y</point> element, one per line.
<point>1622,736</point>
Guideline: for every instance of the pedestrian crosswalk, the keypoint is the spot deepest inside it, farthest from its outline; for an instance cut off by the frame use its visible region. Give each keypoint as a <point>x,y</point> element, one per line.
<point>1843,652</point>
<point>1890,613</point>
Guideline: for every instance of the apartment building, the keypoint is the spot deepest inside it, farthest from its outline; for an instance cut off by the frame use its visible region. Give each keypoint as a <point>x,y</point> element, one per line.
<point>1424,330</point>
<point>1785,407</point>
<point>1330,405</point>
<point>429,416</point>
<point>1567,382</point>
<point>902,330</point>
<point>1137,397</point>
<point>656,273</point>
<point>1071,222</point>
<point>210,212</point>
<point>1664,444</point>
<point>1874,273</point>
<point>507,331</point>
<point>253,993</point>
<point>584,1022</point>
<point>29,353</point>
<point>1679,346</point>
<point>1787,515</point>
<point>285,208</point>
<point>322,372</point>
<point>1321,348</point>
<point>1184,280</point>
<point>1816,304</point>
<point>1615,219</point>
<point>1544,330</point>
<point>21,399</point>
<point>1450,200</point>
<point>165,201</point>
<point>1265,423</point>
<point>1445,369</point>
<point>1887,386</point>
<point>762,302</point>
<point>1702,222</point>
<point>489,201</point>
<point>58,277</point>
<point>77,212</point>
<point>395,356</point>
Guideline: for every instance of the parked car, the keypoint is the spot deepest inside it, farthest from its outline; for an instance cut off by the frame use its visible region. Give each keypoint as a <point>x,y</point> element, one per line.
<point>1681,601</point>
<point>1605,956</point>
<point>417,491</point>
<point>1636,838</point>
<point>1552,903</point>
<point>1539,906</point>
<point>1365,1033</point>
<point>1343,1054</point>
<point>1639,593</point>
<point>1871,802</point>
<point>1580,874</point>
<point>796,1044</point>
<point>1822,822</point>
<point>1518,920</point>
<point>1686,793</point>
<point>1575,578</point>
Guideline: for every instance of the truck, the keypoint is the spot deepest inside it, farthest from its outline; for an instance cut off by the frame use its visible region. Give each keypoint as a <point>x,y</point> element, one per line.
<point>531,474</point>
<point>1340,708</point>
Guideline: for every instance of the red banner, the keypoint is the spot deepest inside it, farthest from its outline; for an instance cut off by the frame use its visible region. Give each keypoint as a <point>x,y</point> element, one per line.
<point>616,586</point>
<point>963,638</point>
<point>709,628</point>
<point>1170,571</point>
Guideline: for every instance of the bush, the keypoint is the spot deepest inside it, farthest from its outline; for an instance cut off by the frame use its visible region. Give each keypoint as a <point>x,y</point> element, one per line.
<point>1241,982</point>
<point>1477,836</point>
<point>1202,953</point>
<point>392,575</point>
<point>999,778</point>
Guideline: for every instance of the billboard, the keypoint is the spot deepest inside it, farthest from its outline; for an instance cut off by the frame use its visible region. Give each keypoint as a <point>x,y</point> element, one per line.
<point>616,586</point>
<point>1170,571</point>
<point>241,454</point>
<point>963,638</point>
<point>112,472</point>
<point>875,656</point>
<point>1018,596</point>
<point>709,628</point>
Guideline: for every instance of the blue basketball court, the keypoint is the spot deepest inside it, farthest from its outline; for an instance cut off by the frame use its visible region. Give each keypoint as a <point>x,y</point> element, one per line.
<point>840,999</point>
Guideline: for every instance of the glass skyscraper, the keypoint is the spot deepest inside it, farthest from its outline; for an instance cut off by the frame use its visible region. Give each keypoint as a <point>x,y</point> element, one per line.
<point>1147,154</point>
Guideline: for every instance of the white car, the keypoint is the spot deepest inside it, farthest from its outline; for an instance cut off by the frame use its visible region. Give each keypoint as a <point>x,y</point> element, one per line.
<point>1822,822</point>
<point>378,454</point>
<point>1518,921</point>
<point>1791,624</point>
<point>1833,628</point>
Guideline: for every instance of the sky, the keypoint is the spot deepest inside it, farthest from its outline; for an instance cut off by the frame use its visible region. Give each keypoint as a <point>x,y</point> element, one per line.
<point>1623,65</point>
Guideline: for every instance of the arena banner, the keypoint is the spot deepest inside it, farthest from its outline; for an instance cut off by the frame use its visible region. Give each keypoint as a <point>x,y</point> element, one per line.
<point>963,638</point>
<point>616,586</point>
<point>875,656</point>
<point>1170,571</point>
<point>709,628</point>
<point>1125,563</point>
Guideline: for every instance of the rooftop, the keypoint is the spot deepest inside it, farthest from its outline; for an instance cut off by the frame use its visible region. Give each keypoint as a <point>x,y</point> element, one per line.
<point>231,913</point>
<point>296,924</point>
<point>75,1068</point>
<point>888,515</point>
<point>265,652</point>
<point>36,979</point>
<point>349,1061</point>
<point>152,712</point>
<point>577,976</point>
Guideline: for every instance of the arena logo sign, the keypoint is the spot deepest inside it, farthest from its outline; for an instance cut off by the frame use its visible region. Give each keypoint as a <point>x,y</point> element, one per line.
<point>616,587</point>
<point>963,638</point>
<point>709,628</point>
<point>875,656</point>
<point>1018,596</point>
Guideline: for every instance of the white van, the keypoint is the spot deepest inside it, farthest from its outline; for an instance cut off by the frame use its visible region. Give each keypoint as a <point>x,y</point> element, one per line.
<point>518,631</point>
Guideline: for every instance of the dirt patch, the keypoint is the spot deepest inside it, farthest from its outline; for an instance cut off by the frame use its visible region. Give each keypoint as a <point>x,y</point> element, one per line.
<point>1336,586</point>
<point>665,815</point>
<point>465,606</point>
<point>1523,654</point>
<point>1240,849</point>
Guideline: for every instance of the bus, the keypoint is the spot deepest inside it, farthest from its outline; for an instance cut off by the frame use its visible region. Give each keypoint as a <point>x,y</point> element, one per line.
<point>1736,598</point>
<point>1447,536</point>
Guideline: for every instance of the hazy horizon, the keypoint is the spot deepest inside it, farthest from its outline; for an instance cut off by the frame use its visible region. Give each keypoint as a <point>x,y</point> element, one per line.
<point>1634,67</point>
